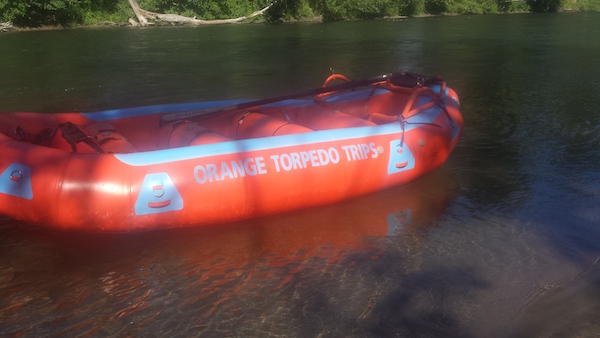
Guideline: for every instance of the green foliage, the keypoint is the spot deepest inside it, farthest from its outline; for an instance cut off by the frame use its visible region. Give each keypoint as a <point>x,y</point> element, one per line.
<point>35,13</point>
<point>4,11</point>
<point>589,5</point>
<point>436,6</point>
<point>290,9</point>
<point>582,5</point>
<point>358,9</point>
<point>39,12</point>
<point>412,7</point>
<point>108,10</point>
<point>512,5</point>
<point>471,7</point>
<point>545,6</point>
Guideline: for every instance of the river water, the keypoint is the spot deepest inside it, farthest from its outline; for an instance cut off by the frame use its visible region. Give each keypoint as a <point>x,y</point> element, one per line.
<point>503,240</point>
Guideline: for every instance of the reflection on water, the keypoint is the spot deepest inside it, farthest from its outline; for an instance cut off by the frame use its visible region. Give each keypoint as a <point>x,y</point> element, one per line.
<point>214,278</point>
<point>500,241</point>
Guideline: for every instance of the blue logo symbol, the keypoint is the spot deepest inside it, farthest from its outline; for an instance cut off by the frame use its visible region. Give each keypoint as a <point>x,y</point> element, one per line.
<point>16,181</point>
<point>158,194</point>
<point>401,158</point>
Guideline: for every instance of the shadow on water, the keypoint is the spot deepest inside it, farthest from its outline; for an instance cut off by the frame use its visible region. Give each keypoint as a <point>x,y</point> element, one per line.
<point>532,159</point>
<point>421,303</point>
<point>531,149</point>
<point>346,269</point>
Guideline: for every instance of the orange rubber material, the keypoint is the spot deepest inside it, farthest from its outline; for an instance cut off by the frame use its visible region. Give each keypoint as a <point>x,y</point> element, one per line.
<point>187,133</point>
<point>254,124</point>
<point>221,168</point>
<point>329,80</point>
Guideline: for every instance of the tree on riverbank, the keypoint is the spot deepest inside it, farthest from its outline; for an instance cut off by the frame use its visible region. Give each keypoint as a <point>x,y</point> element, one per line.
<point>35,13</point>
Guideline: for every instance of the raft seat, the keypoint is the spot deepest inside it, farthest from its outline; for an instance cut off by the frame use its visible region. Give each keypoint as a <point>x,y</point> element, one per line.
<point>254,124</point>
<point>109,140</point>
<point>98,137</point>
<point>187,133</point>
<point>321,118</point>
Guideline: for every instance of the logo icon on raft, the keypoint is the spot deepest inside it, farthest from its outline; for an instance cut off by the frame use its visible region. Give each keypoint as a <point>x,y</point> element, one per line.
<point>16,181</point>
<point>401,158</point>
<point>158,194</point>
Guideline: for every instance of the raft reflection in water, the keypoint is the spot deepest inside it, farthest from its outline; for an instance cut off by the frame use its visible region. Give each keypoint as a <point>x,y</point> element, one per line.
<point>202,274</point>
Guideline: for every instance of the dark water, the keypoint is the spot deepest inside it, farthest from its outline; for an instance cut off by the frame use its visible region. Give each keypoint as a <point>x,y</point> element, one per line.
<point>503,240</point>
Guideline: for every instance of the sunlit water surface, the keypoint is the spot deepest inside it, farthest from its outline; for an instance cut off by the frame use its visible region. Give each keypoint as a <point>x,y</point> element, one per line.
<point>503,240</point>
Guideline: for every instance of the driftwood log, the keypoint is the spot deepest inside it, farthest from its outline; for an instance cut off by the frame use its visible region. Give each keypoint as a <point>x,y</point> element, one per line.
<point>143,16</point>
<point>6,26</point>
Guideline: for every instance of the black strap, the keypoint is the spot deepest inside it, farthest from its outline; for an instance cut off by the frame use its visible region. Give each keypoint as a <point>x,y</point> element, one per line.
<point>281,126</point>
<point>73,134</point>
<point>411,80</point>
<point>17,134</point>
<point>45,137</point>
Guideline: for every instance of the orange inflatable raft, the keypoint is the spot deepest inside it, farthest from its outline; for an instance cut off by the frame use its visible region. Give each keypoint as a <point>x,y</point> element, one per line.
<point>196,164</point>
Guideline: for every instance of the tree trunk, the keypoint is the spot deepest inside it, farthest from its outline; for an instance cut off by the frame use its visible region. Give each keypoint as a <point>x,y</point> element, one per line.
<point>138,12</point>
<point>143,16</point>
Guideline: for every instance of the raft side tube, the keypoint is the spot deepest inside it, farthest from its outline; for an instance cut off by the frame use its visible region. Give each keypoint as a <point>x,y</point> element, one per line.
<point>95,194</point>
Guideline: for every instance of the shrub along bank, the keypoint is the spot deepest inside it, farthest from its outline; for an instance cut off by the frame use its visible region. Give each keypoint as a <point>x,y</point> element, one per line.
<point>35,13</point>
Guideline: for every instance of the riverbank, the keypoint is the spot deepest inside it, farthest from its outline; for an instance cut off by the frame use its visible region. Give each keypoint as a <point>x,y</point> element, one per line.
<point>70,13</point>
<point>9,27</point>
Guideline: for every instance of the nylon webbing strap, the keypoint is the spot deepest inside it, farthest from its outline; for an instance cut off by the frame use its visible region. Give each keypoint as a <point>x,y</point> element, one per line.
<point>411,80</point>
<point>73,134</point>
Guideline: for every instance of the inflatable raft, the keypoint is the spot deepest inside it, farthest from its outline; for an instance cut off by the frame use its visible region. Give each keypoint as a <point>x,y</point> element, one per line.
<point>194,164</point>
